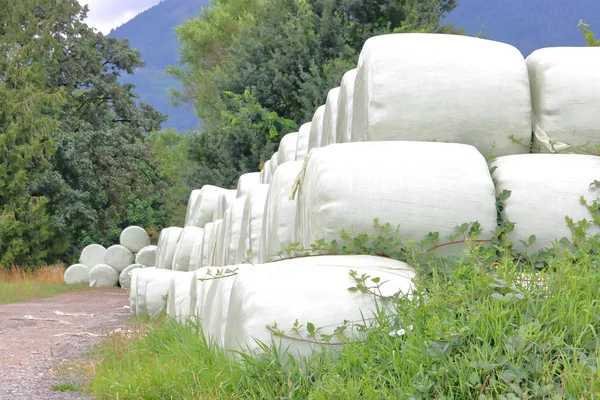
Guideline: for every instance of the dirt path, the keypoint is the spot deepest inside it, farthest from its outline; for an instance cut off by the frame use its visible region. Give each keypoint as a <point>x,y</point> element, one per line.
<point>39,335</point>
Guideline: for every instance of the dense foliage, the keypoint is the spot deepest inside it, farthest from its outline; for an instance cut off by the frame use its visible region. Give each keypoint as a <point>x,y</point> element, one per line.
<point>75,165</point>
<point>267,65</point>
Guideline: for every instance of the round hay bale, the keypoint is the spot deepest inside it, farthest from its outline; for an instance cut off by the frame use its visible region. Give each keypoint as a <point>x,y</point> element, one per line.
<point>92,255</point>
<point>103,275</point>
<point>76,274</point>
<point>134,238</point>
<point>125,276</point>
<point>119,257</point>
<point>146,256</point>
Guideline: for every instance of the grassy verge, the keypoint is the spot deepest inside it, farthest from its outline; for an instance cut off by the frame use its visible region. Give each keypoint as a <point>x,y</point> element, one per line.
<point>17,285</point>
<point>489,326</point>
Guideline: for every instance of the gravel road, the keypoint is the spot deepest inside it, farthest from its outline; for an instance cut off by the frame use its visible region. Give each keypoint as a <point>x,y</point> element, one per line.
<point>37,337</point>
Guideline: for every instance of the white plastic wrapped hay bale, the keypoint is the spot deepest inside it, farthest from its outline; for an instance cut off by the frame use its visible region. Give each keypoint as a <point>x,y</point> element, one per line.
<point>212,300</point>
<point>178,296</point>
<point>565,93</point>
<point>146,256</point>
<point>329,135</point>
<point>167,245</point>
<point>226,198</point>
<point>423,187</point>
<point>283,292</point>
<point>215,244</point>
<point>302,143</point>
<point>125,275</point>
<point>206,243</point>
<point>247,182</point>
<point>119,257</point>
<point>133,292</point>
<point>316,129</point>
<point>157,287</point>
<point>274,164</point>
<point>134,238</point>
<point>545,188</point>
<point>207,200</point>
<point>287,148</point>
<point>141,277</point>
<point>92,255</point>
<point>184,254</point>
<point>196,256</point>
<point>265,173</point>
<point>345,104</point>
<point>278,218</point>
<point>77,274</point>
<point>103,275</point>
<point>233,230</point>
<point>254,209</point>
<point>443,88</point>
<point>191,204</point>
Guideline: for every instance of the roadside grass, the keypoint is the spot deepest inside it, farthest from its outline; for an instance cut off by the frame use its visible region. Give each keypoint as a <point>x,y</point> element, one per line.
<point>487,326</point>
<point>18,285</point>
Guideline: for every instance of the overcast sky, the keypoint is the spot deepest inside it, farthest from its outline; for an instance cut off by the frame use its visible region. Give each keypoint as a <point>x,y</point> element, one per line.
<point>105,15</point>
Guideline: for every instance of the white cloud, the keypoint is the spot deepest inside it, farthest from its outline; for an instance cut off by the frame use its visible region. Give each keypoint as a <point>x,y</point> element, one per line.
<point>105,15</point>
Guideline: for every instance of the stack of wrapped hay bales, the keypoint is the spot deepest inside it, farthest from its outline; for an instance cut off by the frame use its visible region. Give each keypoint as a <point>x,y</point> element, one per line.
<point>370,152</point>
<point>100,267</point>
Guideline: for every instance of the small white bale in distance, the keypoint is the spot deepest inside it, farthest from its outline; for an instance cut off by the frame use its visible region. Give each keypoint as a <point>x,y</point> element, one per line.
<point>92,255</point>
<point>134,238</point>
<point>146,256</point>
<point>167,245</point>
<point>254,209</point>
<point>207,200</point>
<point>103,275</point>
<point>77,274</point>
<point>226,199</point>
<point>186,244</point>
<point>274,164</point>
<point>302,144</point>
<point>247,182</point>
<point>345,104</point>
<point>265,173</point>
<point>316,129</point>
<point>119,257</point>
<point>329,135</point>
<point>287,148</point>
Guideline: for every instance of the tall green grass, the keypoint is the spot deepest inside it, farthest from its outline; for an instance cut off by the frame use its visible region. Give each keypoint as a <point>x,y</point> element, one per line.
<point>488,326</point>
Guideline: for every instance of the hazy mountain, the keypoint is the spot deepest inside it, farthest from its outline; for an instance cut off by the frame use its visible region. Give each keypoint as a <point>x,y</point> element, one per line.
<point>152,33</point>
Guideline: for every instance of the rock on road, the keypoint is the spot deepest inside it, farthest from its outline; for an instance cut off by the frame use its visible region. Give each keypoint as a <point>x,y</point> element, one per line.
<point>36,336</point>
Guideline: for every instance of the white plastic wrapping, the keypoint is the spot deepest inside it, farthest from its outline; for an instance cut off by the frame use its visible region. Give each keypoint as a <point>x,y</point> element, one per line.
<point>77,274</point>
<point>141,276</point>
<point>247,182</point>
<point>206,202</point>
<point>119,257</point>
<point>283,292</point>
<point>191,204</point>
<point>212,300</point>
<point>545,188</point>
<point>565,93</point>
<point>167,245</point>
<point>103,275</point>
<point>206,243</point>
<point>302,143</point>
<point>330,118</point>
<point>423,187</point>
<point>233,223</point>
<point>92,255</point>
<point>273,165</point>
<point>444,88</point>
<point>287,148</point>
<point>345,104</point>
<point>216,244</point>
<point>278,218</point>
<point>316,129</point>
<point>133,292</point>
<point>186,252</point>
<point>146,256</point>
<point>178,297</point>
<point>134,238</point>
<point>225,200</point>
<point>157,288</point>
<point>125,275</point>
<point>254,208</point>
<point>265,174</point>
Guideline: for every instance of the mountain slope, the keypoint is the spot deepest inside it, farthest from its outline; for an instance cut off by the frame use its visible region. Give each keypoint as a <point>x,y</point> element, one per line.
<point>528,25</point>
<point>152,33</point>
